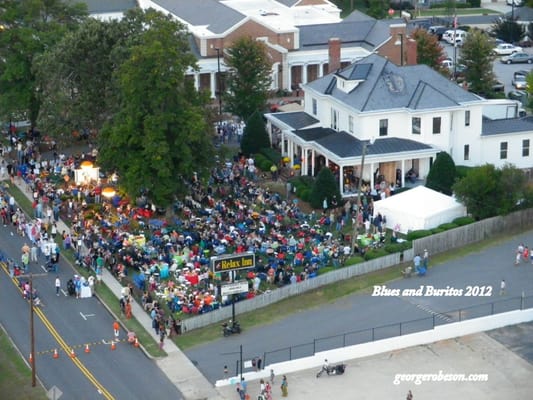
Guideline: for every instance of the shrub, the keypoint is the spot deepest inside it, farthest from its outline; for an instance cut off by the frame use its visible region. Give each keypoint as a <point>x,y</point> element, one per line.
<point>396,247</point>
<point>434,231</point>
<point>413,235</point>
<point>375,253</point>
<point>463,221</point>
<point>461,171</point>
<point>305,194</point>
<point>448,226</point>
<point>354,260</point>
<point>273,155</point>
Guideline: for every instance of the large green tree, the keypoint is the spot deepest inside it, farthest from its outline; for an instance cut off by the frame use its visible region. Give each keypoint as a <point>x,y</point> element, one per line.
<point>29,27</point>
<point>508,30</point>
<point>75,77</point>
<point>255,136</point>
<point>476,56</point>
<point>442,174</point>
<point>159,137</point>
<point>377,8</point>
<point>249,77</point>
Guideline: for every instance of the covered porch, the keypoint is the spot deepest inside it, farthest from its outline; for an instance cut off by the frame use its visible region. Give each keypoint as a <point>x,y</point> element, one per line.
<point>389,162</point>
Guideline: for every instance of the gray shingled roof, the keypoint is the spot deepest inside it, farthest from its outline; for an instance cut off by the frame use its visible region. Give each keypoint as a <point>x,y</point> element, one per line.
<point>217,16</point>
<point>503,126</point>
<point>366,33</point>
<point>389,86</point>
<point>107,6</point>
<point>345,145</point>
<point>297,119</point>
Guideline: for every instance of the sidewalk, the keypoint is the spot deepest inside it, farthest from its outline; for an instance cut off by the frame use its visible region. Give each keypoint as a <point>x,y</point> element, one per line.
<point>176,366</point>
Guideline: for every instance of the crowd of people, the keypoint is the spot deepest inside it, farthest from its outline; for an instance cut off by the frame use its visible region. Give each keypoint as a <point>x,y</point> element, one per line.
<point>168,262</point>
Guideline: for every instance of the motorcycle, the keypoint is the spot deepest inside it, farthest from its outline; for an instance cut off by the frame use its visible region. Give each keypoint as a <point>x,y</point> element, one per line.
<point>332,370</point>
<point>231,327</point>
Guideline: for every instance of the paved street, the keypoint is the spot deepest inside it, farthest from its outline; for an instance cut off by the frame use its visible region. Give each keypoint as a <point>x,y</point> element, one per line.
<point>66,322</point>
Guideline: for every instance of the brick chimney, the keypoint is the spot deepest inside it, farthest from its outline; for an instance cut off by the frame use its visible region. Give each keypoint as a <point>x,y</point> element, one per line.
<point>334,52</point>
<point>412,53</point>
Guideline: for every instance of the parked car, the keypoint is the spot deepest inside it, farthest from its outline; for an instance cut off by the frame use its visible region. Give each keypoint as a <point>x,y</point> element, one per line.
<point>520,95</point>
<point>516,3</point>
<point>498,86</point>
<point>519,79</point>
<point>517,58</point>
<point>437,31</point>
<point>505,49</point>
<point>454,36</point>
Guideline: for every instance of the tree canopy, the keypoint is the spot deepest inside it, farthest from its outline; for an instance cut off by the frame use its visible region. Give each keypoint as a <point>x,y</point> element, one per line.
<point>75,77</point>
<point>255,136</point>
<point>429,50</point>
<point>249,79</point>
<point>476,56</point>
<point>159,136</point>
<point>488,191</point>
<point>508,30</point>
<point>325,187</point>
<point>442,174</point>
<point>29,27</point>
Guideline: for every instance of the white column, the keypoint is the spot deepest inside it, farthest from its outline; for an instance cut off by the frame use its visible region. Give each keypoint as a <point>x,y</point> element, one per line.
<point>197,81</point>
<point>303,161</point>
<point>289,77</point>
<point>341,179</point>
<point>313,162</point>
<point>285,72</point>
<point>304,73</point>
<point>291,152</point>
<point>320,70</point>
<point>213,85</point>
<point>371,175</point>
<point>403,173</point>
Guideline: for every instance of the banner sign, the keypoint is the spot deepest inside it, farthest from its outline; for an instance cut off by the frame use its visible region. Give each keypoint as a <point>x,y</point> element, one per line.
<point>233,262</point>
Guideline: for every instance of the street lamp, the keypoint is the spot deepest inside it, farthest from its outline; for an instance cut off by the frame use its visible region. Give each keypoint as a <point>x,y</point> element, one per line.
<point>358,210</point>
<point>399,42</point>
<point>219,86</point>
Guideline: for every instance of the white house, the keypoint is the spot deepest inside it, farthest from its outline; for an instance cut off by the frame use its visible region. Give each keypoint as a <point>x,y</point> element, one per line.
<point>398,118</point>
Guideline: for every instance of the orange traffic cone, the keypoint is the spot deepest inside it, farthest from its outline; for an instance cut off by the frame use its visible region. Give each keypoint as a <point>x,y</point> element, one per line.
<point>31,358</point>
<point>136,343</point>
<point>87,349</point>
<point>72,354</point>
<point>56,354</point>
<point>113,345</point>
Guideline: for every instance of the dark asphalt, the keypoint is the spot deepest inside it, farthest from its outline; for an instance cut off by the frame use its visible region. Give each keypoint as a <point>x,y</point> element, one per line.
<point>354,313</point>
<point>124,373</point>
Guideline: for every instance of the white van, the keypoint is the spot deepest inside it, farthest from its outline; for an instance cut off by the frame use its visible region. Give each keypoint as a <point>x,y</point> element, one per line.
<point>454,36</point>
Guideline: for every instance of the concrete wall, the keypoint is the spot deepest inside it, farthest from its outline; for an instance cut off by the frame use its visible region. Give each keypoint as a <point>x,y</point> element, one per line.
<point>442,332</point>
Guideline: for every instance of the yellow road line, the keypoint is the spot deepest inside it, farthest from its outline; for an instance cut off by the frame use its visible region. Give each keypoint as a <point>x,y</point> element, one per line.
<point>101,389</point>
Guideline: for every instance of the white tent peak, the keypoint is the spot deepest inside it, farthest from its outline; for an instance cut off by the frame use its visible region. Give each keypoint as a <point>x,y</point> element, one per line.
<point>419,208</point>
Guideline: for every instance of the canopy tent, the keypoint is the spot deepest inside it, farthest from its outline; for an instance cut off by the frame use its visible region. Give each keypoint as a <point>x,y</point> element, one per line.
<point>418,208</point>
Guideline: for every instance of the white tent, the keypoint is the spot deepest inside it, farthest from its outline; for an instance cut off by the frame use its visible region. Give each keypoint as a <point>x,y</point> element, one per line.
<point>419,208</point>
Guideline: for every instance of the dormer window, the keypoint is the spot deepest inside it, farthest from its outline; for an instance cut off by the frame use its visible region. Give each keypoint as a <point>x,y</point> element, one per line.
<point>348,79</point>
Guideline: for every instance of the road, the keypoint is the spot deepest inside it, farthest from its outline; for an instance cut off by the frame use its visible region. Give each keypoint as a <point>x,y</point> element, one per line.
<point>63,323</point>
<point>364,311</point>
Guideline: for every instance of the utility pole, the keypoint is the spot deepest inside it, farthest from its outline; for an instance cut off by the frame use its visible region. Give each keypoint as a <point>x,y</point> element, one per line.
<point>32,335</point>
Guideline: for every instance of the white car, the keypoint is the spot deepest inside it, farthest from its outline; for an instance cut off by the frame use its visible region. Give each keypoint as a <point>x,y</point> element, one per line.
<point>505,49</point>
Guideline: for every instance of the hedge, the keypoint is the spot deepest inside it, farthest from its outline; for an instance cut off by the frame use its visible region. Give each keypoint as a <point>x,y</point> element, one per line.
<point>448,226</point>
<point>375,253</point>
<point>434,231</point>
<point>262,162</point>
<point>397,247</point>
<point>413,235</point>
<point>463,221</point>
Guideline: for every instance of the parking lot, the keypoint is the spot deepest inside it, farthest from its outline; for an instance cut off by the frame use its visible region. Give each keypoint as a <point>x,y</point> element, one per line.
<point>503,72</point>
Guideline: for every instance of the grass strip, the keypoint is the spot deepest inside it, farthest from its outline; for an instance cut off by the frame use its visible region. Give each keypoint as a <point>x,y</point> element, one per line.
<point>15,376</point>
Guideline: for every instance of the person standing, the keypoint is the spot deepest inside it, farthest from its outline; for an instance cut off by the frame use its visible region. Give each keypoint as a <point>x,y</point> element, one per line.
<point>58,285</point>
<point>409,396</point>
<point>503,286</point>
<point>284,387</point>
<point>25,259</point>
<point>116,329</point>
<point>128,308</point>
<point>33,252</point>
<point>425,258</point>
<point>272,376</point>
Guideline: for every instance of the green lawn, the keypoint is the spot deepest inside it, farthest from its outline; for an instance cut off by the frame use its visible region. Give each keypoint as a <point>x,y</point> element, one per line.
<point>15,376</point>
